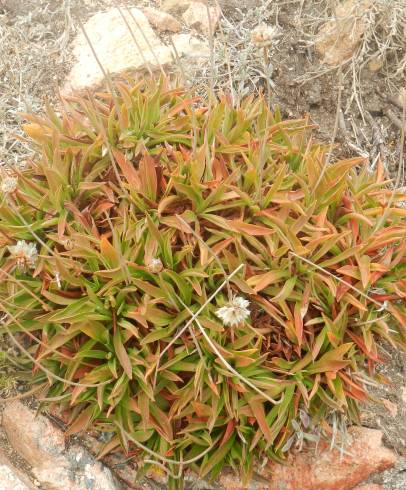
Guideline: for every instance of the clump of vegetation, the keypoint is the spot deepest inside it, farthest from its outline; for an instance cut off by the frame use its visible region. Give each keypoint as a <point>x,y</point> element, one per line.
<point>198,281</point>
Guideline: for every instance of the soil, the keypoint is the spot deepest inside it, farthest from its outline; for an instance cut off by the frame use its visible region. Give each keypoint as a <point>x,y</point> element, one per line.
<point>35,39</point>
<point>303,86</point>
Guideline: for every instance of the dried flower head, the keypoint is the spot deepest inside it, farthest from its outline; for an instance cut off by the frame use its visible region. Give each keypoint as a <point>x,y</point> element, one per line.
<point>155,265</point>
<point>25,254</point>
<point>68,243</point>
<point>263,35</point>
<point>235,312</point>
<point>9,184</point>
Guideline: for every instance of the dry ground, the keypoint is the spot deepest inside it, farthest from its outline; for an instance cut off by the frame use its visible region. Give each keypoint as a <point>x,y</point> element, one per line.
<point>35,39</point>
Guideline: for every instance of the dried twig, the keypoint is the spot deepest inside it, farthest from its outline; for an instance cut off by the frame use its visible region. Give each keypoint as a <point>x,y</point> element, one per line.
<point>336,123</point>
<point>394,119</point>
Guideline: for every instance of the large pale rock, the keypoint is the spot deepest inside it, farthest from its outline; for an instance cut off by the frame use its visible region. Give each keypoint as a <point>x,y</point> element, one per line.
<point>338,38</point>
<point>118,52</point>
<point>162,21</point>
<point>42,445</point>
<point>36,439</point>
<point>11,478</point>
<point>197,16</point>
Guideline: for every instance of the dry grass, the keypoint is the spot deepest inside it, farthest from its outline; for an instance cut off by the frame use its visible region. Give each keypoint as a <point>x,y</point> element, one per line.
<point>383,43</point>
<point>235,57</point>
<point>384,36</point>
<point>33,61</point>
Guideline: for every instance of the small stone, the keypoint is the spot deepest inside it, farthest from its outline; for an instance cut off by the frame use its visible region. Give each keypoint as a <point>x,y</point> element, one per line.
<point>12,478</point>
<point>403,394</point>
<point>391,407</point>
<point>314,93</point>
<point>338,38</point>
<point>233,4</point>
<point>402,96</point>
<point>162,21</point>
<point>263,35</point>
<point>191,47</point>
<point>196,16</point>
<point>175,6</point>
<point>375,65</point>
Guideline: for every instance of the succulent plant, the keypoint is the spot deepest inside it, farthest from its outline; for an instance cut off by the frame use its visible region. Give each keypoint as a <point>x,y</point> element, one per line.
<point>193,279</point>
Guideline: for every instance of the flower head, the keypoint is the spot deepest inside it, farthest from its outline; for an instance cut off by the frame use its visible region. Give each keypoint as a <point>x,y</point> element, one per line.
<point>155,265</point>
<point>235,312</point>
<point>9,184</point>
<point>263,35</point>
<point>25,254</point>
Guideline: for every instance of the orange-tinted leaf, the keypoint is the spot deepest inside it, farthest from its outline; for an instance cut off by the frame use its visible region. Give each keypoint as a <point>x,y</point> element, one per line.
<point>122,355</point>
<point>128,169</point>
<point>255,230</point>
<point>109,252</point>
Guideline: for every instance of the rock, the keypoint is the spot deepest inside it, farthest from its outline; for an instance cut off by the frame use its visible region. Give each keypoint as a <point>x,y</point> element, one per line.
<point>391,407</point>
<point>375,64</point>
<point>162,21</point>
<point>12,478</point>
<point>233,4</point>
<point>314,93</point>
<point>196,16</point>
<point>369,486</point>
<point>74,468</point>
<point>338,38</point>
<point>191,46</point>
<point>329,470</point>
<point>42,445</point>
<point>117,51</point>
<point>114,46</point>
<point>36,439</point>
<point>79,471</point>
<point>325,469</point>
<point>403,394</point>
<point>175,6</point>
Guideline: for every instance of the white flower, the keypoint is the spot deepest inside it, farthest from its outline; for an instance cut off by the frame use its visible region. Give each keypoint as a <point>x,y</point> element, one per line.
<point>9,184</point>
<point>235,312</point>
<point>263,35</point>
<point>25,254</point>
<point>155,265</point>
